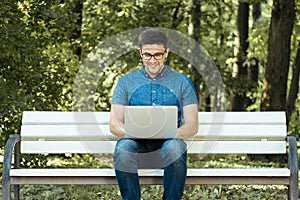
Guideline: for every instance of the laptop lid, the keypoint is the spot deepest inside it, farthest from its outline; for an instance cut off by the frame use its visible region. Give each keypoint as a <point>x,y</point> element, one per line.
<point>150,122</point>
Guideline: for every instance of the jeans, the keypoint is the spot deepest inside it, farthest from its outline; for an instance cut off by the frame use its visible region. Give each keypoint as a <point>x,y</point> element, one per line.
<point>169,154</point>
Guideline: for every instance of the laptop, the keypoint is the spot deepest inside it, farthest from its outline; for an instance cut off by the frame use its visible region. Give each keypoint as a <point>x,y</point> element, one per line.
<point>150,122</point>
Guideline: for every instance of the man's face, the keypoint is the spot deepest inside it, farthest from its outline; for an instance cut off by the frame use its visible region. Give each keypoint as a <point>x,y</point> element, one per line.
<point>153,56</point>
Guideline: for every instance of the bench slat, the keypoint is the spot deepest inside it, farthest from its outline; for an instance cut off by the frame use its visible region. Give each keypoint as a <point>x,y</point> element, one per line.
<point>56,117</point>
<point>282,172</point>
<point>264,117</point>
<point>154,180</point>
<point>107,176</point>
<point>98,132</point>
<point>203,147</point>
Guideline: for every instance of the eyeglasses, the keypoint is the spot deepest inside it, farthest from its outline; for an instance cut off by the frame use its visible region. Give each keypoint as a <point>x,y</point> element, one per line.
<point>156,56</point>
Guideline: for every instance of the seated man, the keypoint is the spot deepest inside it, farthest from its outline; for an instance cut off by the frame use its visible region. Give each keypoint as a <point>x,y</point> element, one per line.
<point>154,84</point>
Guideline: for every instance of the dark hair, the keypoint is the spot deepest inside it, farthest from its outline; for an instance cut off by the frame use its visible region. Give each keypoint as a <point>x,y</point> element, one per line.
<point>153,36</point>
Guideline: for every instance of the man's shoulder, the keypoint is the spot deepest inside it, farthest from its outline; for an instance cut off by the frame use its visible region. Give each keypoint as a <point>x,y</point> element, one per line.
<point>178,74</point>
<point>131,74</point>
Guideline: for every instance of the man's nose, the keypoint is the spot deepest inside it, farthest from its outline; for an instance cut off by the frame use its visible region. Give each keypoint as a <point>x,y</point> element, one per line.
<point>152,59</point>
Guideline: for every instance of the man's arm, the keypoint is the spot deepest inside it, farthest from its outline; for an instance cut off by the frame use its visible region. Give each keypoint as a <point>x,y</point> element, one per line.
<point>190,125</point>
<point>116,121</point>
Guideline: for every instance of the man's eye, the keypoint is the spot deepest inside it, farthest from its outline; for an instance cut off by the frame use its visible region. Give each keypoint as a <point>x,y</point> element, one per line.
<point>158,54</point>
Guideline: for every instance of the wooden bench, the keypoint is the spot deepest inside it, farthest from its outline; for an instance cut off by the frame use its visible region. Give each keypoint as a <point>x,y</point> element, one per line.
<point>88,132</point>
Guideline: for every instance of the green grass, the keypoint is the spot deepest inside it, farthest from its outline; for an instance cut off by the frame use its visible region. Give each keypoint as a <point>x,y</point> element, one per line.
<point>153,192</point>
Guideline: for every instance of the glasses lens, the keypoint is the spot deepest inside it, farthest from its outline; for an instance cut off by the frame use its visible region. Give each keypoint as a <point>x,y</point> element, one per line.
<point>148,56</point>
<point>158,56</point>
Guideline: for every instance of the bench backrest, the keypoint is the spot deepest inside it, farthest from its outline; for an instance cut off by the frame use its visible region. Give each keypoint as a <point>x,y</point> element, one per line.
<point>219,132</point>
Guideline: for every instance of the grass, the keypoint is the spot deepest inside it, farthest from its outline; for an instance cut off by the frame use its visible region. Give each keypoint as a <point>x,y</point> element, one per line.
<point>154,192</point>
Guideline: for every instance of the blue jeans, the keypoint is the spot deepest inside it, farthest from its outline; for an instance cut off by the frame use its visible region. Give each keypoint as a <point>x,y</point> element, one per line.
<point>131,154</point>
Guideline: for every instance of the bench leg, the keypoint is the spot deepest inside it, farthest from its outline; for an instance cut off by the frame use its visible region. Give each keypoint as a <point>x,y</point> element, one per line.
<point>16,192</point>
<point>293,193</point>
<point>293,165</point>
<point>17,166</point>
<point>8,152</point>
<point>5,190</point>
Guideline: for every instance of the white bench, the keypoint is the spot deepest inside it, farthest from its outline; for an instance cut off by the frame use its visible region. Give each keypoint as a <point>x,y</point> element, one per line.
<point>88,132</point>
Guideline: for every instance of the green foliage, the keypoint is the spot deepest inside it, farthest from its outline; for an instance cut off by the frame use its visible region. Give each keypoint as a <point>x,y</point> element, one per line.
<point>37,64</point>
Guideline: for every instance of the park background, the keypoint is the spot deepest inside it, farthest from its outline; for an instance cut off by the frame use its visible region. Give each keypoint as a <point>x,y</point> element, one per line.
<point>255,45</point>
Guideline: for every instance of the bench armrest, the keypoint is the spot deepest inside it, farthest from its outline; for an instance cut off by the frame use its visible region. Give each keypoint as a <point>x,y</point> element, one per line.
<point>293,164</point>
<point>8,153</point>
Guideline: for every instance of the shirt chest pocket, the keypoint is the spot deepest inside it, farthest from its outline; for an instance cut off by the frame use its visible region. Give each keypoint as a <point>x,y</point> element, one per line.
<point>167,97</point>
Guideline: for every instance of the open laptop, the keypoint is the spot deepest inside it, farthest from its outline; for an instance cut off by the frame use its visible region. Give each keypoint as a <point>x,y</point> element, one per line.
<point>150,122</point>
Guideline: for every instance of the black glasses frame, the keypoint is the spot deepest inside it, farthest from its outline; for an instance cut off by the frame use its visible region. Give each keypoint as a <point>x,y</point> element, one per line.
<point>156,56</point>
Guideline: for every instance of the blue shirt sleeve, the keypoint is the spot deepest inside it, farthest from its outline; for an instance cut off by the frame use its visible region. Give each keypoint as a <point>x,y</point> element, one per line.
<point>120,95</point>
<point>189,95</point>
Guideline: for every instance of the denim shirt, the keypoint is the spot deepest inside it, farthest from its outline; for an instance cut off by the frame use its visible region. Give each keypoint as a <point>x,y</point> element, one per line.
<point>169,88</point>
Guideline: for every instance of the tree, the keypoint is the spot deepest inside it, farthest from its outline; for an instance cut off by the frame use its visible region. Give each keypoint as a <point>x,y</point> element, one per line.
<point>293,103</point>
<point>253,70</point>
<point>76,33</point>
<point>279,48</point>
<point>240,70</point>
<point>294,88</point>
<point>36,60</point>
<point>194,32</point>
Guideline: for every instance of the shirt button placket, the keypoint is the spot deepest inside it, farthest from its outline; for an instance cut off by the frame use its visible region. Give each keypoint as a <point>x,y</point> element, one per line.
<point>154,92</point>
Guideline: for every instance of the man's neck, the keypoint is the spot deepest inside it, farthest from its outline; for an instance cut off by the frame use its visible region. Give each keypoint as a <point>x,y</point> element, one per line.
<point>151,75</point>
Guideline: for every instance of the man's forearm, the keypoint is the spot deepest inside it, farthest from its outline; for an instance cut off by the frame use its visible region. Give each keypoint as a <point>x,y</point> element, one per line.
<point>187,130</point>
<point>118,129</point>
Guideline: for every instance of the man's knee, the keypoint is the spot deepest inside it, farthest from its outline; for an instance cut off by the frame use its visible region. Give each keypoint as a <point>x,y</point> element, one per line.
<point>126,145</point>
<point>125,155</point>
<point>173,150</point>
<point>175,145</point>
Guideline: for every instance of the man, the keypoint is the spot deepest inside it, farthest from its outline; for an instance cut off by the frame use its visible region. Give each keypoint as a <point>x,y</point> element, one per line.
<point>153,85</point>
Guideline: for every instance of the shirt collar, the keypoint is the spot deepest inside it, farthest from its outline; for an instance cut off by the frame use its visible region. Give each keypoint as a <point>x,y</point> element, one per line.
<point>162,73</point>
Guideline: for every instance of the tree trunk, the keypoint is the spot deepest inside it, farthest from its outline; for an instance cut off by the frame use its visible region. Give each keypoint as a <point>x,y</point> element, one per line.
<point>294,88</point>
<point>275,82</point>
<point>240,71</point>
<point>207,106</point>
<point>253,70</point>
<point>195,16</point>
<point>256,12</point>
<point>76,35</point>
<point>176,19</point>
<point>194,32</point>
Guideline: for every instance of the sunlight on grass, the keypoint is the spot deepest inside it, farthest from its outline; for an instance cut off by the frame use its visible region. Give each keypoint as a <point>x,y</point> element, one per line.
<point>153,192</point>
